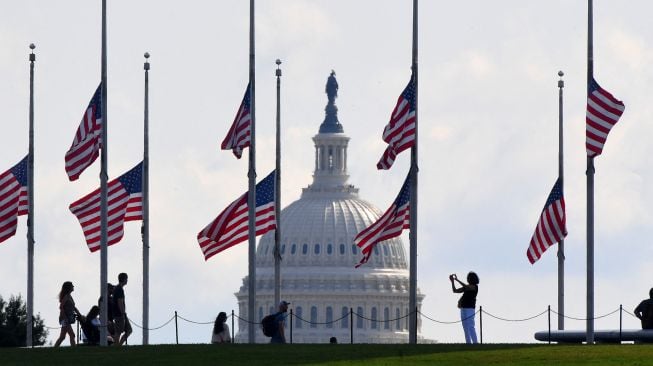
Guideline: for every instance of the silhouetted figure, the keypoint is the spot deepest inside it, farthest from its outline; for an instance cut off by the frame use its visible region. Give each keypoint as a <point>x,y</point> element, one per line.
<point>67,313</point>
<point>644,311</point>
<point>280,335</point>
<point>467,303</point>
<point>91,326</point>
<point>333,340</point>
<point>220,330</point>
<point>332,88</point>
<point>120,320</point>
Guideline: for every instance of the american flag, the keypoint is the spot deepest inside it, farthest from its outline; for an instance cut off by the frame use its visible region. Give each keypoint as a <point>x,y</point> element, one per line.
<point>239,135</point>
<point>124,203</point>
<point>388,226</point>
<point>399,133</point>
<point>13,198</point>
<point>552,227</point>
<point>88,139</point>
<point>232,226</point>
<point>603,112</point>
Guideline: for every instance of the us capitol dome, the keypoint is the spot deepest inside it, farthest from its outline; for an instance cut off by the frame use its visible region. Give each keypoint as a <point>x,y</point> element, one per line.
<point>318,276</point>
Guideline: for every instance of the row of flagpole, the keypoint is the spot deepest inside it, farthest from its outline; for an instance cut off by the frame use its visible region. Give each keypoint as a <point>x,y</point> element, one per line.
<point>603,111</point>
<point>92,136</point>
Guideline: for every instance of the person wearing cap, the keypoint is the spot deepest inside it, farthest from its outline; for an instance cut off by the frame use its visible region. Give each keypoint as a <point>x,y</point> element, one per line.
<point>280,335</point>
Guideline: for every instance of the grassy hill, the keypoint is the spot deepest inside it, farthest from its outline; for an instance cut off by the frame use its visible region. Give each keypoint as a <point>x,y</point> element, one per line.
<point>340,354</point>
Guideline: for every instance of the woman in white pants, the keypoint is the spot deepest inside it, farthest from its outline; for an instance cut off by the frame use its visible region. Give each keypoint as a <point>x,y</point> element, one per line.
<point>467,303</point>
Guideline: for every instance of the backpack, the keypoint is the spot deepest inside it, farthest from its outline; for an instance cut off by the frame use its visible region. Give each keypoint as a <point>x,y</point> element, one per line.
<point>269,324</point>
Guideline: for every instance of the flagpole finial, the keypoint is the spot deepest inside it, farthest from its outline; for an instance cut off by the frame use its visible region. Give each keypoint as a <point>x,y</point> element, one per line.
<point>561,83</point>
<point>278,62</point>
<point>146,66</point>
<point>32,57</point>
<point>32,46</point>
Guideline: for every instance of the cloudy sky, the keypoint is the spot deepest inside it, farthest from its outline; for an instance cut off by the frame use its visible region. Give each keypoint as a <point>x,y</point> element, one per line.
<point>488,115</point>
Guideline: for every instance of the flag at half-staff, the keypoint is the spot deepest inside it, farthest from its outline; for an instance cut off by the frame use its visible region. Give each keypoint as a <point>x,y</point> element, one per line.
<point>231,225</point>
<point>388,226</point>
<point>399,133</point>
<point>603,112</point>
<point>239,135</point>
<point>125,203</point>
<point>13,198</point>
<point>85,148</point>
<point>552,225</point>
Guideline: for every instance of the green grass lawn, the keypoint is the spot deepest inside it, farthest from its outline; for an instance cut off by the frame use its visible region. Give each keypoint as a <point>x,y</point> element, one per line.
<point>340,354</point>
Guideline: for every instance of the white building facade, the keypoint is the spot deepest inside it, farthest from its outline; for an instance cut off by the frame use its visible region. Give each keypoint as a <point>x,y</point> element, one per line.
<point>318,276</point>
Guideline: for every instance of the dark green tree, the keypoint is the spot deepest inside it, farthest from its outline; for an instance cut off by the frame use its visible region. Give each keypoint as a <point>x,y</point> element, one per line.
<point>13,324</point>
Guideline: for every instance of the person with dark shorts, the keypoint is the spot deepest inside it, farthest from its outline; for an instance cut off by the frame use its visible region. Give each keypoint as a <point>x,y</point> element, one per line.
<point>120,320</point>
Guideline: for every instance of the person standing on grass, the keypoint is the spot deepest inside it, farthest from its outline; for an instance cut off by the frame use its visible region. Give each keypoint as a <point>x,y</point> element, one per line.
<point>67,313</point>
<point>644,311</point>
<point>279,335</point>
<point>467,303</point>
<point>120,320</point>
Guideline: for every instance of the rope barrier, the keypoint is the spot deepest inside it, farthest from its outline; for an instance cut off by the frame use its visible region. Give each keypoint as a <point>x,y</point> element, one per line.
<point>375,320</point>
<point>362,316</point>
<point>516,320</point>
<point>446,322</point>
<point>245,320</point>
<point>574,318</point>
<point>194,322</point>
<point>155,328</point>
<point>320,323</point>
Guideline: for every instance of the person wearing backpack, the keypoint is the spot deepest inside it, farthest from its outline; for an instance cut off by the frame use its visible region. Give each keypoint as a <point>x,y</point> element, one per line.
<point>279,335</point>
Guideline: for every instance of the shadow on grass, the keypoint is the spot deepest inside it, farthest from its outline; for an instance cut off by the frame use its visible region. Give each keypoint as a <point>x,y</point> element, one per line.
<point>244,354</point>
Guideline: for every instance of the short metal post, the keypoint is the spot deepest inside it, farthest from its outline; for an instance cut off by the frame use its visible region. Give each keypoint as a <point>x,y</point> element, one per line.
<point>621,309</point>
<point>291,326</point>
<point>176,328</point>
<point>351,325</point>
<point>481,321</point>
<point>549,314</point>
<point>233,338</point>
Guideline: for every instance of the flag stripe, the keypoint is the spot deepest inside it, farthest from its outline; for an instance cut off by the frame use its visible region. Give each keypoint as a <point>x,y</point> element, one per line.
<point>239,134</point>
<point>399,133</point>
<point>88,138</point>
<point>232,224</point>
<point>551,227</point>
<point>388,226</point>
<point>124,203</point>
<point>13,198</point>
<point>603,112</point>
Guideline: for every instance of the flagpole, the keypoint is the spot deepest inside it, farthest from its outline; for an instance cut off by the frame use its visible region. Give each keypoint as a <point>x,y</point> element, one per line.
<point>412,301</point>
<point>103,186</point>
<point>146,204</point>
<point>561,244</point>
<point>251,197</point>
<point>277,196</point>
<point>590,191</point>
<point>30,210</point>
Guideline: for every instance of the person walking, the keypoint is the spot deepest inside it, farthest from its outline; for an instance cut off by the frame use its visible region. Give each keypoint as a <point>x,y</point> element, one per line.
<point>644,311</point>
<point>67,313</point>
<point>467,303</point>
<point>120,321</point>
<point>279,335</point>
<point>221,330</point>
